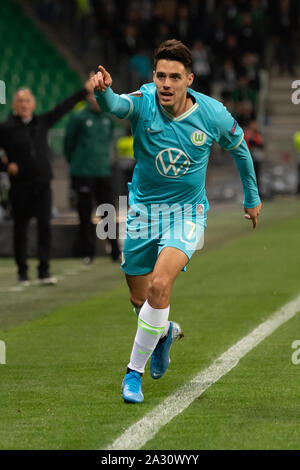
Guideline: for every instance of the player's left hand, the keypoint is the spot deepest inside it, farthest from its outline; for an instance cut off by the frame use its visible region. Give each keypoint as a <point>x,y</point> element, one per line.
<point>253,213</point>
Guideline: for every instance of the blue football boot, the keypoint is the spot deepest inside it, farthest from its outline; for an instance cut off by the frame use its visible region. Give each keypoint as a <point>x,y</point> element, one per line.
<point>160,358</point>
<point>132,388</point>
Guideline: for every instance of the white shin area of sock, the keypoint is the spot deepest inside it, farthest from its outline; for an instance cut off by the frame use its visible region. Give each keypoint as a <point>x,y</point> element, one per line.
<point>152,325</point>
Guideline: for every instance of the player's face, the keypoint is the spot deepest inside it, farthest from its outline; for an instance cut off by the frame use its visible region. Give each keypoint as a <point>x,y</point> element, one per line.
<point>24,104</point>
<point>171,79</point>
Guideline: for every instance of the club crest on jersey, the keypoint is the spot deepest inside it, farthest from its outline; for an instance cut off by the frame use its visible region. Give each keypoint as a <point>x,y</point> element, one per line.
<point>198,138</point>
<point>172,163</point>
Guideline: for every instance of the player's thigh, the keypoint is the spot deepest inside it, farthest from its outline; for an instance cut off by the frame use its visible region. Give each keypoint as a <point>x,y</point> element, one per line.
<point>186,235</point>
<point>169,263</point>
<point>138,260</point>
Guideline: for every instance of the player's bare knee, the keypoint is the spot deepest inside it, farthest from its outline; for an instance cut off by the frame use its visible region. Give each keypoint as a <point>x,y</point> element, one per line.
<point>159,287</point>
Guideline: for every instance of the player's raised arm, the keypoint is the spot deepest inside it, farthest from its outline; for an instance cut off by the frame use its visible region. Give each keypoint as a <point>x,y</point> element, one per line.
<point>109,101</point>
<point>101,80</point>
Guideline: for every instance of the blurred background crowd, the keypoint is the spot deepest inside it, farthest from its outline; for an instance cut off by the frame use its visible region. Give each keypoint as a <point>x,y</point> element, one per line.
<point>230,40</point>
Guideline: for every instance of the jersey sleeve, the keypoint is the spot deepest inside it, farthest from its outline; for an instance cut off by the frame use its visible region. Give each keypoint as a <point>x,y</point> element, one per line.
<point>230,137</point>
<point>136,102</point>
<point>125,106</point>
<point>244,163</point>
<point>229,133</point>
<point>113,103</point>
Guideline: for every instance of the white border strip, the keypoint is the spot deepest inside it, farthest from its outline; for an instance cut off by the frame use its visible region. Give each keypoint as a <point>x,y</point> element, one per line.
<point>141,432</point>
<point>130,107</point>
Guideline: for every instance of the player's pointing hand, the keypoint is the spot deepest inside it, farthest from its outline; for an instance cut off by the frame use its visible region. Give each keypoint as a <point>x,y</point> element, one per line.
<point>101,80</point>
<point>253,213</point>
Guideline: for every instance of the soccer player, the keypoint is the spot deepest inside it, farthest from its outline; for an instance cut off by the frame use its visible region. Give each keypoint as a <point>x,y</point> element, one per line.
<point>173,129</point>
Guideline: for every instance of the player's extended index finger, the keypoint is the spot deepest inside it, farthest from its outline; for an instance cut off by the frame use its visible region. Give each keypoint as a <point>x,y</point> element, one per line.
<point>254,221</point>
<point>102,69</point>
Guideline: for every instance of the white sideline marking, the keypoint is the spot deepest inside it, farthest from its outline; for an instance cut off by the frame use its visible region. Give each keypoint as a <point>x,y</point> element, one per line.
<point>145,429</point>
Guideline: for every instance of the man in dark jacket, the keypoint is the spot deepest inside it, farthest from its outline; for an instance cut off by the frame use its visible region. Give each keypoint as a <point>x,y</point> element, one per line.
<point>87,148</point>
<point>24,138</point>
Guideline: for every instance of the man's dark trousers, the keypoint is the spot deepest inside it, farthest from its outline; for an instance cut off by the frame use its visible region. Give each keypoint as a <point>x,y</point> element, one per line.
<point>89,190</point>
<point>32,200</point>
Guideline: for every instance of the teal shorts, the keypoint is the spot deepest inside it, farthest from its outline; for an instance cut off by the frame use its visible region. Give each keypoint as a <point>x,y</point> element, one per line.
<point>146,237</point>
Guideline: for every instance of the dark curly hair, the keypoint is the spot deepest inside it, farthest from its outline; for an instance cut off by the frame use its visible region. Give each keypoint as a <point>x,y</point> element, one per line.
<point>172,49</point>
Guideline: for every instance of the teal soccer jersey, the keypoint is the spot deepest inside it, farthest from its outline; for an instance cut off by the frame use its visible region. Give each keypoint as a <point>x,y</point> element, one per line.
<point>172,155</point>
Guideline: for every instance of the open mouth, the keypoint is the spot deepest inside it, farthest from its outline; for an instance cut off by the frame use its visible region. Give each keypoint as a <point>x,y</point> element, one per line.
<point>166,95</point>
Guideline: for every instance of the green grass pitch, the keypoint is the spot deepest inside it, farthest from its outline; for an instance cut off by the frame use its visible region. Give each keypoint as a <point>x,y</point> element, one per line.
<point>67,346</point>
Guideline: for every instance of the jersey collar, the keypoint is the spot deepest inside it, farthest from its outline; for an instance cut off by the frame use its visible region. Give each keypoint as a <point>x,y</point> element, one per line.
<point>182,116</point>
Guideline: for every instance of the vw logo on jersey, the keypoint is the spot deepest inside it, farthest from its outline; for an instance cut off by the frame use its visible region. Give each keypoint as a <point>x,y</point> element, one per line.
<point>89,122</point>
<point>172,163</point>
<point>198,138</point>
